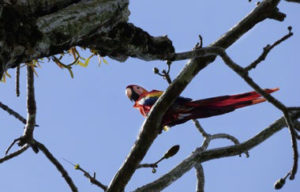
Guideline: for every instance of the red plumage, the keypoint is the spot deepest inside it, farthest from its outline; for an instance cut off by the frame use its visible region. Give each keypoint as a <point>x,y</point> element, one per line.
<point>185,109</point>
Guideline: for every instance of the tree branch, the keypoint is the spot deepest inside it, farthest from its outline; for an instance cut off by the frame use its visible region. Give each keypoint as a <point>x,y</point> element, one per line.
<point>244,75</point>
<point>200,156</point>
<point>13,113</point>
<point>200,177</point>
<point>294,1</point>
<point>42,7</point>
<point>92,179</point>
<point>267,49</point>
<point>14,154</point>
<point>151,126</point>
<point>58,166</point>
<point>34,37</point>
<point>31,105</point>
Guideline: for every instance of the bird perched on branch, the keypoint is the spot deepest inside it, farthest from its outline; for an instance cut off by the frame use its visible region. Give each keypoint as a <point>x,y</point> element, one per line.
<point>184,109</point>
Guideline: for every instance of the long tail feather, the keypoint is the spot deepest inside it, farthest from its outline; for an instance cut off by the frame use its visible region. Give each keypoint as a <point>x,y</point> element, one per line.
<point>231,99</point>
<point>224,104</point>
<point>215,106</point>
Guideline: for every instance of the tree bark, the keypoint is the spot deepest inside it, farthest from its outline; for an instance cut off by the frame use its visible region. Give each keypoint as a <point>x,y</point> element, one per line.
<point>35,29</point>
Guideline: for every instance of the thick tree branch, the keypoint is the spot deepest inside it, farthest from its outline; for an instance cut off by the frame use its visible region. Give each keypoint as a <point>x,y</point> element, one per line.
<point>27,137</point>
<point>31,105</point>
<point>126,40</point>
<point>151,126</point>
<point>200,156</point>
<point>41,7</point>
<point>33,37</point>
<point>294,1</point>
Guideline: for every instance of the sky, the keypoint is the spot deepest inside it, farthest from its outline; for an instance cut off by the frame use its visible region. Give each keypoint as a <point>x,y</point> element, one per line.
<point>88,119</point>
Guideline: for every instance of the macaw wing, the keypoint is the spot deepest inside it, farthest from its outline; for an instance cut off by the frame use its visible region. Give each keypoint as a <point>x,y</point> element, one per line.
<point>151,97</point>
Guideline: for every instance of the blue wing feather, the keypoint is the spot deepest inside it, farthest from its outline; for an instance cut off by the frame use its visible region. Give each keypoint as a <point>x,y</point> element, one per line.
<point>150,101</point>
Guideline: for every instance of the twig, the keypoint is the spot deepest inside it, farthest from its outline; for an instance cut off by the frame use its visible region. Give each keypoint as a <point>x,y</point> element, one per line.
<point>58,166</point>
<point>200,177</point>
<point>147,165</point>
<point>170,153</point>
<point>13,113</point>
<point>165,73</point>
<point>14,154</point>
<point>200,128</point>
<point>18,81</point>
<point>267,49</point>
<point>280,182</point>
<point>200,43</point>
<point>11,145</point>
<point>92,179</point>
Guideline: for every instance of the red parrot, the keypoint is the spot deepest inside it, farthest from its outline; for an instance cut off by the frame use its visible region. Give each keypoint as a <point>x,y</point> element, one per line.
<point>184,109</point>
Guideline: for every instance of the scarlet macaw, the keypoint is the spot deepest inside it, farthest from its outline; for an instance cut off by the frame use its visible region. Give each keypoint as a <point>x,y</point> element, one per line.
<point>184,109</point>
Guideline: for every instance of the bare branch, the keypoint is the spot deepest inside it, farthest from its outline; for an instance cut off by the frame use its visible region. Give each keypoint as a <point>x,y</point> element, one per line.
<point>13,113</point>
<point>217,136</point>
<point>200,156</point>
<point>18,80</point>
<point>266,50</point>
<point>92,179</point>
<point>200,177</point>
<point>11,145</point>
<point>31,105</point>
<point>31,111</point>
<point>229,137</point>
<point>14,154</point>
<point>294,144</point>
<point>244,75</point>
<point>294,1</point>
<point>57,164</point>
<point>200,128</point>
<point>170,153</point>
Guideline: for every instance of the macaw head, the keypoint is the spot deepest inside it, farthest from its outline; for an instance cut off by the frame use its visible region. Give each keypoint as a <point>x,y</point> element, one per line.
<point>133,92</point>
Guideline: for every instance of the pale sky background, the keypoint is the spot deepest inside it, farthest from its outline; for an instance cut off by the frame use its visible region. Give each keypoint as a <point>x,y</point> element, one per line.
<point>88,119</point>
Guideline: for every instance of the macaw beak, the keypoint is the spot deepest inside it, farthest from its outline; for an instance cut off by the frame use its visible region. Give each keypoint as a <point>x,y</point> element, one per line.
<point>131,94</point>
<point>128,92</point>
